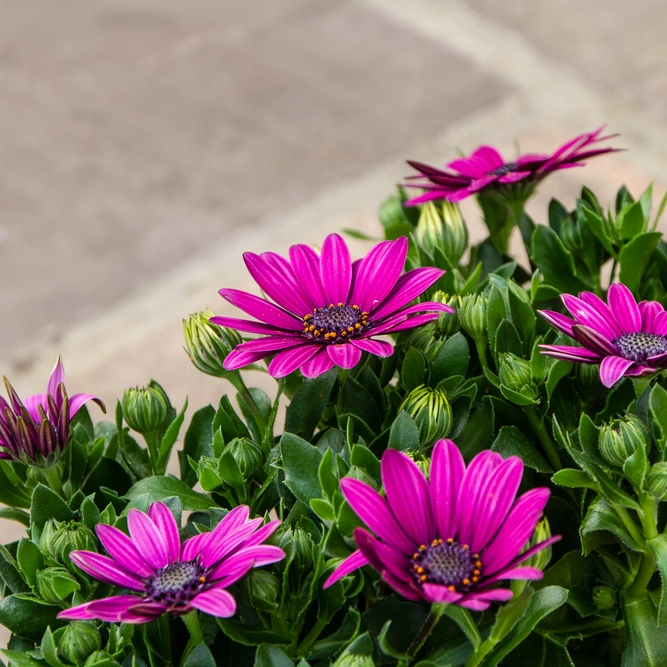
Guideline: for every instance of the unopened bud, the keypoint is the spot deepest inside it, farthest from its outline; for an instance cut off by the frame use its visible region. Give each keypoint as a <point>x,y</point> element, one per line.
<point>147,409</point>
<point>455,232</point>
<point>264,589</point>
<point>55,584</point>
<point>79,640</point>
<point>620,439</point>
<point>208,344</point>
<point>515,373</point>
<point>247,454</point>
<point>570,235</point>
<point>656,481</point>
<point>298,547</point>
<point>431,411</point>
<point>354,660</point>
<point>59,539</point>
<point>447,324</point>
<point>604,597</point>
<point>541,559</point>
<point>473,315</point>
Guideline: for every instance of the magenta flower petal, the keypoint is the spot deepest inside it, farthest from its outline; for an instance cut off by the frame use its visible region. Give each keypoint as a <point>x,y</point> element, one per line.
<point>263,533</point>
<point>216,549</point>
<point>239,358</point>
<point>569,353</point>
<point>660,324</point>
<point>246,558</point>
<point>287,361</point>
<point>78,400</point>
<point>593,340</point>
<point>318,364</point>
<point>405,323</point>
<point>374,511</point>
<point>447,470</point>
<point>612,369</point>
<point>379,348</point>
<point>407,288</point>
<point>353,562</point>
<point>408,495</point>
<point>624,308</point>
<point>122,549</point>
<point>345,355</point>
<point>269,344</point>
<point>602,308</point>
<point>589,316</point>
<point>649,310</point>
<point>474,603</point>
<point>248,326</point>
<point>57,377</point>
<point>556,320</point>
<point>148,539</point>
<point>106,569</point>
<point>261,309</point>
<point>435,593</point>
<point>515,177</point>
<point>215,601</point>
<point>497,594</point>
<point>166,524</point>
<point>276,279</point>
<point>108,609</point>
<point>235,518</point>
<point>408,592</point>
<point>306,265</point>
<point>335,269</point>
<point>523,573</point>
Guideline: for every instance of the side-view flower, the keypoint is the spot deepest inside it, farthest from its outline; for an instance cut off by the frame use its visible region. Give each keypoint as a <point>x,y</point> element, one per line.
<point>36,430</point>
<point>451,538</point>
<point>624,337</point>
<point>328,309</point>
<point>166,576</point>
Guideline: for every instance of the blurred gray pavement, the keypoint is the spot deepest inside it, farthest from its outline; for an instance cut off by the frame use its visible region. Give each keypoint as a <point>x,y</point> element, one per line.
<point>145,145</point>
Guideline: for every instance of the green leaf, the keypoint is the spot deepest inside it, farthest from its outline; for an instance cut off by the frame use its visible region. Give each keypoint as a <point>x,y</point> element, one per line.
<point>512,442</point>
<point>272,656</point>
<point>659,548</point>
<point>497,310</point>
<point>633,222</point>
<point>556,262</point>
<point>635,257</point>
<point>601,516</point>
<point>49,650</point>
<point>20,658</point>
<point>248,636</point>
<point>13,514</point>
<point>364,458</point>
<point>170,438</point>
<point>544,602</point>
<point>597,225</point>
<point>27,616</point>
<point>573,479</point>
<point>198,442</point>
<point>47,504</point>
<point>538,651</point>
<point>557,372</point>
<point>356,400</point>
<point>658,408</point>
<point>231,424</point>
<point>404,434</point>
<point>158,488</point>
<point>306,407</point>
<point>646,641</point>
<point>453,359</point>
<point>636,467</point>
<point>325,473</point>
<point>462,618</point>
<point>413,371</point>
<point>301,460</point>
<point>523,316</point>
<point>12,492</point>
<point>507,339</point>
<point>229,471</point>
<point>29,559</point>
<point>478,433</point>
<point>200,657</point>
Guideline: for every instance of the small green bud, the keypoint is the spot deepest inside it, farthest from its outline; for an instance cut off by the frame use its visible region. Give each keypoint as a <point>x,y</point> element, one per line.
<point>247,454</point>
<point>620,439</point>
<point>354,660</point>
<point>448,323</point>
<point>570,235</point>
<point>455,231</point>
<point>298,547</point>
<point>473,315</point>
<point>541,559</point>
<point>147,409</point>
<point>55,584</point>
<point>208,344</point>
<point>442,228</point>
<point>515,373</point>
<point>587,378</point>
<point>431,411</point>
<point>264,590</point>
<point>656,481</point>
<point>79,640</point>
<point>59,539</point>
<point>604,597</point>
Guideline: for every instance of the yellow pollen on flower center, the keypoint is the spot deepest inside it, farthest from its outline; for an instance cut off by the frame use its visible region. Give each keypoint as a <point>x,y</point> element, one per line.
<point>334,323</point>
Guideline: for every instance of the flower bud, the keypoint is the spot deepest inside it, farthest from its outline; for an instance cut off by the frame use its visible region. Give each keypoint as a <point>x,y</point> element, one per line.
<point>515,373</point>
<point>354,660</point>
<point>455,232</point>
<point>431,411</point>
<point>79,640</point>
<point>264,589</point>
<point>541,559</point>
<point>147,409</point>
<point>570,235</point>
<point>55,584</point>
<point>604,597</point>
<point>208,344</point>
<point>447,324</point>
<point>473,315</point>
<point>298,547</point>
<point>656,481</point>
<point>59,539</point>
<point>588,379</point>
<point>620,439</point>
<point>247,454</point>
<point>442,228</point>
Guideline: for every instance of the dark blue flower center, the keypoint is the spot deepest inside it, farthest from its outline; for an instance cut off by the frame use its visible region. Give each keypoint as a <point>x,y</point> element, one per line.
<point>334,323</point>
<point>448,563</point>
<point>639,346</point>
<point>505,169</point>
<point>176,584</point>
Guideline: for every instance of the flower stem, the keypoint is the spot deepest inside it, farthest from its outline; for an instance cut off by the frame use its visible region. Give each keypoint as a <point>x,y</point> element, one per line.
<point>312,636</point>
<point>647,564</point>
<point>480,345</point>
<point>431,621</point>
<point>237,381</point>
<point>191,621</point>
<point>52,478</point>
<point>544,437</point>
<point>268,432</point>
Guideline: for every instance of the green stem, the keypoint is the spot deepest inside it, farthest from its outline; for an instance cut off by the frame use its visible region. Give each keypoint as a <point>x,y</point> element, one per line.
<point>480,345</point>
<point>647,564</point>
<point>431,621</point>
<point>191,621</point>
<point>52,478</point>
<point>237,381</point>
<point>152,442</point>
<point>613,271</point>
<point>478,656</point>
<point>629,524</point>
<point>268,433</point>
<point>312,636</point>
<point>544,437</point>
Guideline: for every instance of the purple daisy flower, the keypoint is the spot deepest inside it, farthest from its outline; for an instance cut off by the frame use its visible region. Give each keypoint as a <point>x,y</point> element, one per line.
<point>486,168</point>
<point>166,576</point>
<point>449,539</point>
<point>328,309</point>
<point>35,431</point>
<point>624,337</point>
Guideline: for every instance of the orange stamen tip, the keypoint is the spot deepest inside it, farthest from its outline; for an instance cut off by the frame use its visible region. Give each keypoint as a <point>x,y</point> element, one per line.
<point>475,580</point>
<point>415,554</point>
<point>450,540</point>
<point>202,579</point>
<point>452,588</point>
<point>478,564</point>
<point>466,582</point>
<point>423,578</point>
<point>465,547</point>
<point>422,547</point>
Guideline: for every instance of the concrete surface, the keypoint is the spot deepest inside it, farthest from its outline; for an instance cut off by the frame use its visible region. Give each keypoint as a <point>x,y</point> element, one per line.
<point>147,144</point>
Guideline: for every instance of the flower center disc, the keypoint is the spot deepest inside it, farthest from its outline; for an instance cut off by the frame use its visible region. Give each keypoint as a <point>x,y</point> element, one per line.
<point>334,323</point>
<point>176,584</point>
<point>505,169</point>
<point>640,346</point>
<point>447,563</point>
